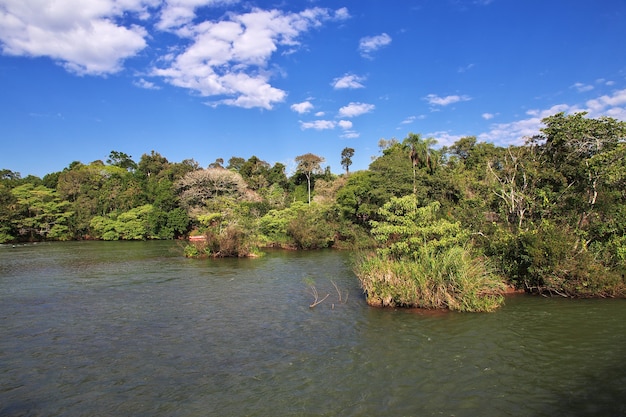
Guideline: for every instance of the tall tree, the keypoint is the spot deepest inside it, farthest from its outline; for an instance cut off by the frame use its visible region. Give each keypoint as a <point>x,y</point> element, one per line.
<point>309,164</point>
<point>421,154</point>
<point>122,160</point>
<point>346,158</point>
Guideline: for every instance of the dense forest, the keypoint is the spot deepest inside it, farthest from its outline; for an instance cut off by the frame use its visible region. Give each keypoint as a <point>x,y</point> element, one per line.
<point>548,217</point>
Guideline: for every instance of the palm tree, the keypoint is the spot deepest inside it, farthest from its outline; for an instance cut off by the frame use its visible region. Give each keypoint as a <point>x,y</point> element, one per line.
<point>421,154</point>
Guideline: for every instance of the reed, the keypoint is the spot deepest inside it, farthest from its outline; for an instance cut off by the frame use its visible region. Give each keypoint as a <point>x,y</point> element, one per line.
<point>452,279</point>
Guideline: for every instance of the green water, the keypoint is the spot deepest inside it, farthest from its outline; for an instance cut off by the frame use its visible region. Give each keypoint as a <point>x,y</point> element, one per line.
<point>135,329</point>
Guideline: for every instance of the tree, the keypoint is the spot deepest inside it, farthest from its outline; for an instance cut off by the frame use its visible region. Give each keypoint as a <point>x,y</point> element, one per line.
<point>122,160</point>
<point>198,187</point>
<point>463,147</point>
<point>572,144</point>
<point>40,213</point>
<point>219,162</point>
<point>356,199</point>
<point>421,154</point>
<point>254,171</point>
<point>235,163</point>
<point>346,158</point>
<point>425,261</point>
<point>151,165</point>
<point>309,164</point>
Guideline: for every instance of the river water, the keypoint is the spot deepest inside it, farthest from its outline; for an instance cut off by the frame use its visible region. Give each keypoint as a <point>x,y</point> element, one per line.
<point>135,329</point>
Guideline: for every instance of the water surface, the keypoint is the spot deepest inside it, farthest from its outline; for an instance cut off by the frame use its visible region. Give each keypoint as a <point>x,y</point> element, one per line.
<point>135,329</point>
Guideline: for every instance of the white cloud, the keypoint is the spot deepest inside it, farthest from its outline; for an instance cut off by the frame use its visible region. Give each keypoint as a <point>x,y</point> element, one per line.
<point>444,138</point>
<point>350,134</point>
<point>342,14</point>
<point>345,124</point>
<point>581,88</point>
<point>609,105</point>
<point>465,68</point>
<point>408,120</point>
<point>514,133</point>
<point>178,13</point>
<point>82,36</point>
<point>320,114</point>
<point>148,85</point>
<point>304,107</point>
<point>444,101</point>
<point>318,125</point>
<point>488,116</point>
<point>348,81</point>
<point>355,109</point>
<point>228,58</point>
<point>326,125</point>
<point>370,44</point>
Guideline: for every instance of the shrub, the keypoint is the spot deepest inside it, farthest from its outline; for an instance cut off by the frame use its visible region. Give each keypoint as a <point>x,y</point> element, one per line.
<point>452,279</point>
<point>551,259</point>
<point>425,261</point>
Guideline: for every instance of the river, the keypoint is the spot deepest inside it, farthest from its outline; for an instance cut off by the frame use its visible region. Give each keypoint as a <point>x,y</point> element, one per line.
<point>135,329</point>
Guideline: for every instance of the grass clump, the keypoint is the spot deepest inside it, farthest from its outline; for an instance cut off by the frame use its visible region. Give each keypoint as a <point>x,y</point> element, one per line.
<point>425,261</point>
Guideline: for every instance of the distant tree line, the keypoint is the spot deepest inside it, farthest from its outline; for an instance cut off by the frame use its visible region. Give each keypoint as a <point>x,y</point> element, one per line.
<point>548,216</point>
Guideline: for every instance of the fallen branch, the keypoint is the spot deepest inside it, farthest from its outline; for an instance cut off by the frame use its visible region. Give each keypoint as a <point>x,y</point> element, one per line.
<point>316,296</point>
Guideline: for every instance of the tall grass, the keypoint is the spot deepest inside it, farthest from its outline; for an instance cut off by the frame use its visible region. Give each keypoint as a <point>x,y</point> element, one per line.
<point>446,279</point>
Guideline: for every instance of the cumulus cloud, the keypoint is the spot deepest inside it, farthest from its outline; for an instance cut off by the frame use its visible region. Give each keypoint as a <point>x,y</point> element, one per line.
<point>84,37</point>
<point>342,14</point>
<point>408,120</point>
<point>326,124</point>
<point>370,44</point>
<point>355,109</point>
<point>514,133</point>
<point>350,134</point>
<point>229,58</point>
<point>613,105</point>
<point>444,138</point>
<point>581,88</point>
<point>436,100</point>
<point>488,116</point>
<point>148,85</point>
<point>178,13</point>
<point>350,81</point>
<point>304,107</point>
<point>318,125</point>
<point>345,124</point>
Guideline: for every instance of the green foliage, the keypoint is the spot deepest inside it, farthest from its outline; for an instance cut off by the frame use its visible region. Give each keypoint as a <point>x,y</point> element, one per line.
<point>346,158</point>
<point>551,214</point>
<point>425,261</point>
<point>452,279</point>
<point>129,225</point>
<point>551,259</point>
<point>310,231</point>
<point>227,225</point>
<point>392,175</point>
<point>140,223</point>
<point>300,226</point>
<point>309,164</point>
<point>39,213</point>
<point>406,230</point>
<point>356,200</point>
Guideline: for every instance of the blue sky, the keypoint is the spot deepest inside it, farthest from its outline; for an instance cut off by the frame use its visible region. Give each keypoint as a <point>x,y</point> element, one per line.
<point>208,79</point>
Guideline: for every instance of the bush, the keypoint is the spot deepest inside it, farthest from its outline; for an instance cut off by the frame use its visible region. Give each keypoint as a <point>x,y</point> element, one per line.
<point>551,259</point>
<point>452,279</point>
<point>425,261</point>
